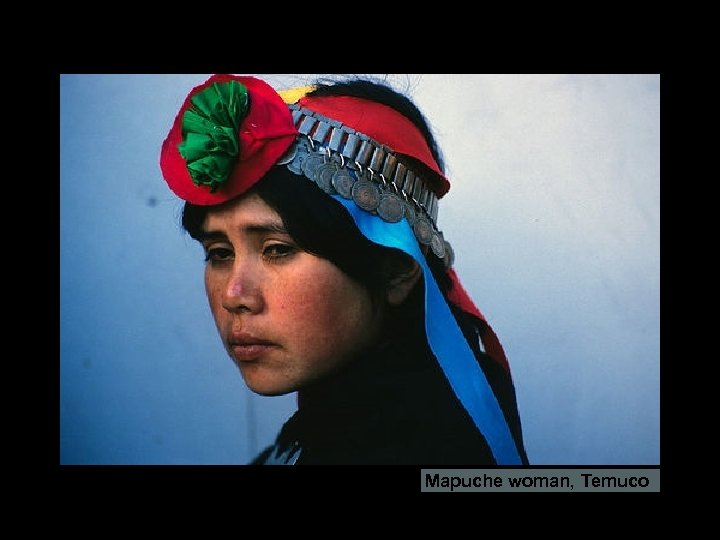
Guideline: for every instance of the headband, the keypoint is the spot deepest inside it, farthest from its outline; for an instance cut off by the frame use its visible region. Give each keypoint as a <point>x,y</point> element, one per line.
<point>374,161</point>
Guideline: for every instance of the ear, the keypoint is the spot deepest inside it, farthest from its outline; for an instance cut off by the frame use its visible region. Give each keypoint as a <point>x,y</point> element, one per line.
<point>403,275</point>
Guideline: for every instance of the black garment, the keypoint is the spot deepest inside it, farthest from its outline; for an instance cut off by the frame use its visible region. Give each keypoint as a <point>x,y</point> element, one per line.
<point>393,406</point>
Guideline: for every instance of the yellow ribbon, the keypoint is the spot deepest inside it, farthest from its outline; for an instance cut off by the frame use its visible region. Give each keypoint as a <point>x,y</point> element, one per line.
<point>293,95</point>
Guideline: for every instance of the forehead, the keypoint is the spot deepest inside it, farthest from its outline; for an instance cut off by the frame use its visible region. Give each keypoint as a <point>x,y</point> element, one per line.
<point>244,210</point>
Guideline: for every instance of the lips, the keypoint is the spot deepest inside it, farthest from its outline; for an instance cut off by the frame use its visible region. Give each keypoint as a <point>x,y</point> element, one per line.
<point>247,348</point>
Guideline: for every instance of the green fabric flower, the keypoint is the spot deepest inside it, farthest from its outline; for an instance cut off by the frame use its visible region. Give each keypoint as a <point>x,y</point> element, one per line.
<point>210,129</point>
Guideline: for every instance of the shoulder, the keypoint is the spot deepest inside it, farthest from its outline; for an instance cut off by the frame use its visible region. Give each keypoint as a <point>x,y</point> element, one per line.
<point>262,457</point>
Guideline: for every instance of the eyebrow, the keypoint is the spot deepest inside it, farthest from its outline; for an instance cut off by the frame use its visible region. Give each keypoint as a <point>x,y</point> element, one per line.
<point>250,229</point>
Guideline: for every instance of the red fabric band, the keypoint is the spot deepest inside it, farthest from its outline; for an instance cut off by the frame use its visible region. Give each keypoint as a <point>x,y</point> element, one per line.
<point>383,124</point>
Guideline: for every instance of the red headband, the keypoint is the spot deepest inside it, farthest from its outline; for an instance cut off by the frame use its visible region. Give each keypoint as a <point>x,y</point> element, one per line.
<point>383,124</point>
<point>267,131</point>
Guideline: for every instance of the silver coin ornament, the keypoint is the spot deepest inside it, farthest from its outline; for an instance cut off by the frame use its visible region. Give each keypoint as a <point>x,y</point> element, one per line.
<point>366,195</point>
<point>324,176</point>
<point>449,255</point>
<point>390,207</point>
<point>343,182</point>
<point>410,215</point>
<point>296,164</point>
<point>437,244</point>
<point>311,165</point>
<point>423,230</point>
<point>288,156</point>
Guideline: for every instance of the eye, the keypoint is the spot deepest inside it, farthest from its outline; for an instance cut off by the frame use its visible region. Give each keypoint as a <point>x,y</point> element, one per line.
<point>278,251</point>
<point>218,254</point>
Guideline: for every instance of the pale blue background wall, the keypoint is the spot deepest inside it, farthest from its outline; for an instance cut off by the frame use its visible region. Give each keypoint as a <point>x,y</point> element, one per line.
<point>553,213</point>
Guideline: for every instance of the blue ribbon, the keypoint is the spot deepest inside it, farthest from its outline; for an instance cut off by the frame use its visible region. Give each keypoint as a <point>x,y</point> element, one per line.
<point>446,339</point>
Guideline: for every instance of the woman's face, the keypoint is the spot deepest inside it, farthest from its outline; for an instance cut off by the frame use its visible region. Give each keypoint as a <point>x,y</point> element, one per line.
<point>285,316</point>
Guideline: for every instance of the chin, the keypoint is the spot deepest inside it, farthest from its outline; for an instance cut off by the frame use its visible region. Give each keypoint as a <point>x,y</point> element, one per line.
<point>268,388</point>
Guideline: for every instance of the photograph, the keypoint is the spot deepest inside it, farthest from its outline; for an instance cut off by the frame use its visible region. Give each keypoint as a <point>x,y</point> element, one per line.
<point>434,270</point>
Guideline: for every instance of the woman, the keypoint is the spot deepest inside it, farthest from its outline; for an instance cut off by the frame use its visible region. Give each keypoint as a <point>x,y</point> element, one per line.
<point>326,274</point>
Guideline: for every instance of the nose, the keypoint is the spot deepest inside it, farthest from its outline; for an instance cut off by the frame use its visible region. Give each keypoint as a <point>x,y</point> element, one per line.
<point>243,290</point>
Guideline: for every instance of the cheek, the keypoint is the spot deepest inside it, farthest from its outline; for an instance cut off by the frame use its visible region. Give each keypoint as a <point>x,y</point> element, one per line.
<point>213,292</point>
<point>326,314</point>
